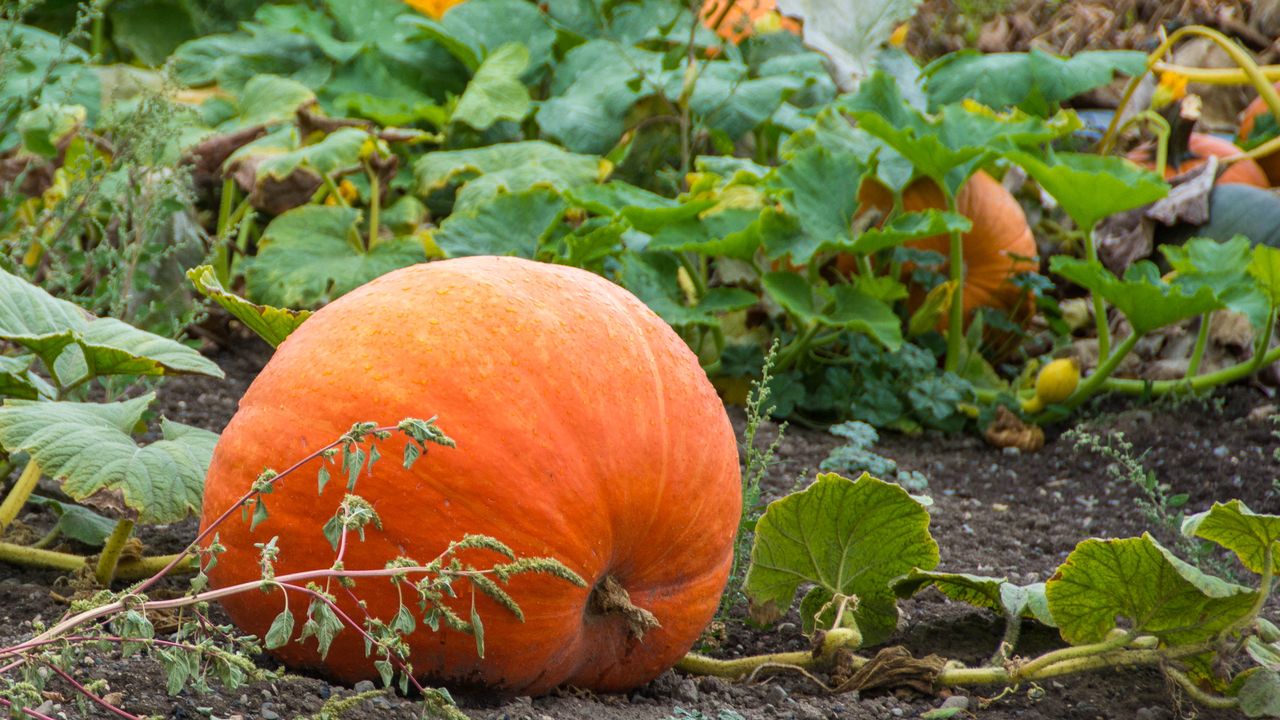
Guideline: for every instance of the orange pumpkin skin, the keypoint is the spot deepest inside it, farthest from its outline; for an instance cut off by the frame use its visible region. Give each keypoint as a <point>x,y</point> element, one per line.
<point>586,431</point>
<point>739,20</point>
<point>1270,164</point>
<point>998,247</point>
<point>1243,172</point>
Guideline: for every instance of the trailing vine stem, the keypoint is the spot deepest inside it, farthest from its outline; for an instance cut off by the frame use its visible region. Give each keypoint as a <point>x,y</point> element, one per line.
<point>18,494</point>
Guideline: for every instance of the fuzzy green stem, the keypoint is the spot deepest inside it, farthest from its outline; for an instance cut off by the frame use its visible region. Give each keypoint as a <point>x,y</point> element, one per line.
<point>739,668</point>
<point>1224,376</point>
<point>375,206</point>
<point>222,254</point>
<point>1099,305</point>
<point>1202,341</point>
<point>110,556</point>
<point>864,265</point>
<point>49,538</point>
<point>1209,700</point>
<point>955,324</point>
<point>98,41</point>
<point>18,494</point>
<point>1111,660</point>
<point>36,557</point>
<point>788,356</point>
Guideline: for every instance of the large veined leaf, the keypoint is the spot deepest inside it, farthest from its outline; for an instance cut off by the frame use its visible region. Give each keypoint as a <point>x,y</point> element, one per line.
<point>505,224</point>
<point>593,89</point>
<point>269,323</point>
<point>340,150</point>
<point>727,99</point>
<point>512,167</point>
<point>907,227</point>
<point>1092,187</point>
<point>1260,694</point>
<point>1265,268</point>
<point>77,522</point>
<point>1006,598</point>
<point>53,328</point>
<point>1035,82</point>
<point>1224,268</point>
<point>495,91</point>
<point>313,254</point>
<point>843,306</point>
<point>89,449</point>
<point>16,378</point>
<point>820,189</point>
<point>653,277</point>
<point>847,537</point>
<point>472,30</point>
<point>1235,527</point>
<point>1146,301</point>
<point>1139,582</point>
<point>849,32</point>
<point>268,99</point>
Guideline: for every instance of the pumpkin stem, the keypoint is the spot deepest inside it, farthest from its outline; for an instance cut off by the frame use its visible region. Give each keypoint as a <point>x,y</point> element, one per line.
<point>608,597</point>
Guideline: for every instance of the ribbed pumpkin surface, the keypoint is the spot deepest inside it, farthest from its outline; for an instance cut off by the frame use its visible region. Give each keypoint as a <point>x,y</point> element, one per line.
<point>586,431</point>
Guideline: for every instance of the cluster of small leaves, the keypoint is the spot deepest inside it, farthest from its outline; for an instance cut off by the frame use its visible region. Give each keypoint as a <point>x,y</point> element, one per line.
<point>856,457</point>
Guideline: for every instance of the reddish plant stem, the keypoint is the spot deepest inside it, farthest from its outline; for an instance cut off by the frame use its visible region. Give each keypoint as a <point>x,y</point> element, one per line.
<point>85,692</point>
<point>30,713</point>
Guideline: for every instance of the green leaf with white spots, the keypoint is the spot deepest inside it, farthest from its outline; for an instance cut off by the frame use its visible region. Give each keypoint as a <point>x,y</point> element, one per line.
<point>846,537</point>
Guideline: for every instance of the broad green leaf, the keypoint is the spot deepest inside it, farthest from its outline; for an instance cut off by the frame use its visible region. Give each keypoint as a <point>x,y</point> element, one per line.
<point>44,127</point>
<point>1092,187</point>
<point>1237,528</point>
<point>77,522</point>
<point>1260,694</point>
<point>592,91</point>
<point>89,449</point>
<point>312,254</point>
<point>614,197</point>
<point>907,227</point>
<point>1265,268</point>
<point>47,326</point>
<point>725,98</point>
<point>312,23</point>
<point>495,92</point>
<point>845,537</point>
<point>269,99</point>
<point>820,189</point>
<point>152,29</point>
<point>844,306</point>
<point>652,277</point>
<point>269,323</point>
<point>233,60</point>
<point>42,68</point>
<point>1147,302</point>
<point>16,379</point>
<point>513,167</point>
<point>849,32</point>
<point>1035,82</point>
<point>1140,582</point>
<point>994,593</point>
<point>1223,267</point>
<point>477,28</point>
<point>340,150</point>
<point>506,224</point>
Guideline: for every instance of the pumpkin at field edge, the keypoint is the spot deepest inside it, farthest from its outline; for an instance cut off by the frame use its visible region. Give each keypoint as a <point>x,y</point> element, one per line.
<point>1270,164</point>
<point>740,18</point>
<point>997,248</point>
<point>1202,145</point>
<point>586,431</point>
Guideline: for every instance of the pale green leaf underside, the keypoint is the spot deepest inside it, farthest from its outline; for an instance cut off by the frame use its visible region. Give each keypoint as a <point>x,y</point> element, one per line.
<point>269,323</point>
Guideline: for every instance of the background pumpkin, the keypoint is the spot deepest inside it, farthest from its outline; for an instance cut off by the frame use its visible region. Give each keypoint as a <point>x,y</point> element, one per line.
<point>740,17</point>
<point>586,431</point>
<point>1202,145</point>
<point>1248,120</point>
<point>998,247</point>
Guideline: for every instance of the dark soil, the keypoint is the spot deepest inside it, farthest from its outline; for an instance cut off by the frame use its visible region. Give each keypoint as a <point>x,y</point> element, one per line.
<point>994,513</point>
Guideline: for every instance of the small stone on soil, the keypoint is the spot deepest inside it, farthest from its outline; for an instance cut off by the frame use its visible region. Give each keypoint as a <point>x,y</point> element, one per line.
<point>956,701</point>
<point>267,713</point>
<point>364,686</point>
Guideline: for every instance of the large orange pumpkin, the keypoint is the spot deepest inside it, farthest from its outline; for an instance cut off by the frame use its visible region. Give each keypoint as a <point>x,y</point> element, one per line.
<point>1270,164</point>
<point>586,431</point>
<point>1201,146</point>
<point>998,247</point>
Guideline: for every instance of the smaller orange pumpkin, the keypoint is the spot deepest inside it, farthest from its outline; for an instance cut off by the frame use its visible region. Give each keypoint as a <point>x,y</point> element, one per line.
<point>1200,147</point>
<point>740,17</point>
<point>998,247</point>
<point>433,8</point>
<point>1270,164</point>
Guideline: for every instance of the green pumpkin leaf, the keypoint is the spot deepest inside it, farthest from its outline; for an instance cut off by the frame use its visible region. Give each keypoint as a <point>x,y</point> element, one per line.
<point>907,227</point>
<point>88,448</point>
<point>1265,268</point>
<point>339,151</point>
<point>1035,82</point>
<point>844,306</point>
<point>846,537</point>
<point>1092,187</point>
<point>593,89</point>
<point>269,323</point>
<point>994,593</point>
<point>48,326</point>
<point>312,254</point>
<point>267,100</point>
<point>1260,694</point>
<point>16,378</point>
<point>77,522</point>
<point>614,197</point>
<point>495,91</point>
<point>1224,268</point>
<point>652,277</point>
<point>1237,528</point>
<point>512,167</point>
<point>1140,582</point>
<point>1146,301</point>
<point>505,224</point>
<point>475,29</point>
<point>820,189</point>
